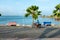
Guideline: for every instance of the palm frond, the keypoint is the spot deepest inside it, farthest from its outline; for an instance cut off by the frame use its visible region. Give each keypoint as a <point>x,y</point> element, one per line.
<point>28,10</point>
<point>33,10</point>
<point>58,15</point>
<point>55,14</point>
<point>58,6</point>
<point>55,11</point>
<point>39,12</point>
<point>35,16</point>
<point>27,14</point>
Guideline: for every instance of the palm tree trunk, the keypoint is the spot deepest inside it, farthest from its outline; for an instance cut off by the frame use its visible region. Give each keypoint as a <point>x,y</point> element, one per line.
<point>33,23</point>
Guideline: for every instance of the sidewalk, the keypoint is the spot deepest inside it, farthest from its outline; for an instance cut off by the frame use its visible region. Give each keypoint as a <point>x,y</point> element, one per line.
<point>30,39</point>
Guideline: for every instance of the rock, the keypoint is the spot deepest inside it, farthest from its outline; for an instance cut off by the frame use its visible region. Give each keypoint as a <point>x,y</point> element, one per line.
<point>0,14</point>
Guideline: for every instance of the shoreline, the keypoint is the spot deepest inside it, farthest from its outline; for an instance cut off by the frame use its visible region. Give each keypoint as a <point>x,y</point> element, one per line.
<point>30,26</point>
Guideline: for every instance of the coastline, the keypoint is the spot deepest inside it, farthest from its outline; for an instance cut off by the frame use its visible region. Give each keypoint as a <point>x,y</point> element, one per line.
<point>30,26</point>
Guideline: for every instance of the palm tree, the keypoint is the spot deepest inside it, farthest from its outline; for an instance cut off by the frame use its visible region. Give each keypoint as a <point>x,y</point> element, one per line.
<point>33,11</point>
<point>57,11</point>
<point>58,7</point>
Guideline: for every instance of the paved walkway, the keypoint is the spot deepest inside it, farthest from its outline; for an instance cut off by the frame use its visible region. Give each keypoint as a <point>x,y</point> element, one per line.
<point>18,32</point>
<point>30,39</point>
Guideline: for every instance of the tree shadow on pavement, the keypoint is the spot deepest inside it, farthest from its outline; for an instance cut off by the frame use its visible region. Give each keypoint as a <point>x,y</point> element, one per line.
<point>43,35</point>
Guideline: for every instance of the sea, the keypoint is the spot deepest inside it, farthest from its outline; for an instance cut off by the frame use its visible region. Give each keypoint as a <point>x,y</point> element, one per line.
<point>26,21</point>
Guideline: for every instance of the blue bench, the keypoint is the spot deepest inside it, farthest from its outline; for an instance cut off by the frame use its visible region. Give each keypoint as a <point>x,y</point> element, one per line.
<point>47,23</point>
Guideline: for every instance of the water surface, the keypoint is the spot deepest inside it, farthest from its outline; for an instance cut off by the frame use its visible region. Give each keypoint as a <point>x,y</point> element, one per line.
<point>24,20</point>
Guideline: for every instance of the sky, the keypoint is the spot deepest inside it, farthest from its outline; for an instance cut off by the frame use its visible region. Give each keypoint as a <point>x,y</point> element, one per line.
<point>18,7</point>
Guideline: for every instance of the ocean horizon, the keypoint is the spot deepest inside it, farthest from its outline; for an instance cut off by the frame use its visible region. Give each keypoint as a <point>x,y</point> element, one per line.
<point>24,20</point>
